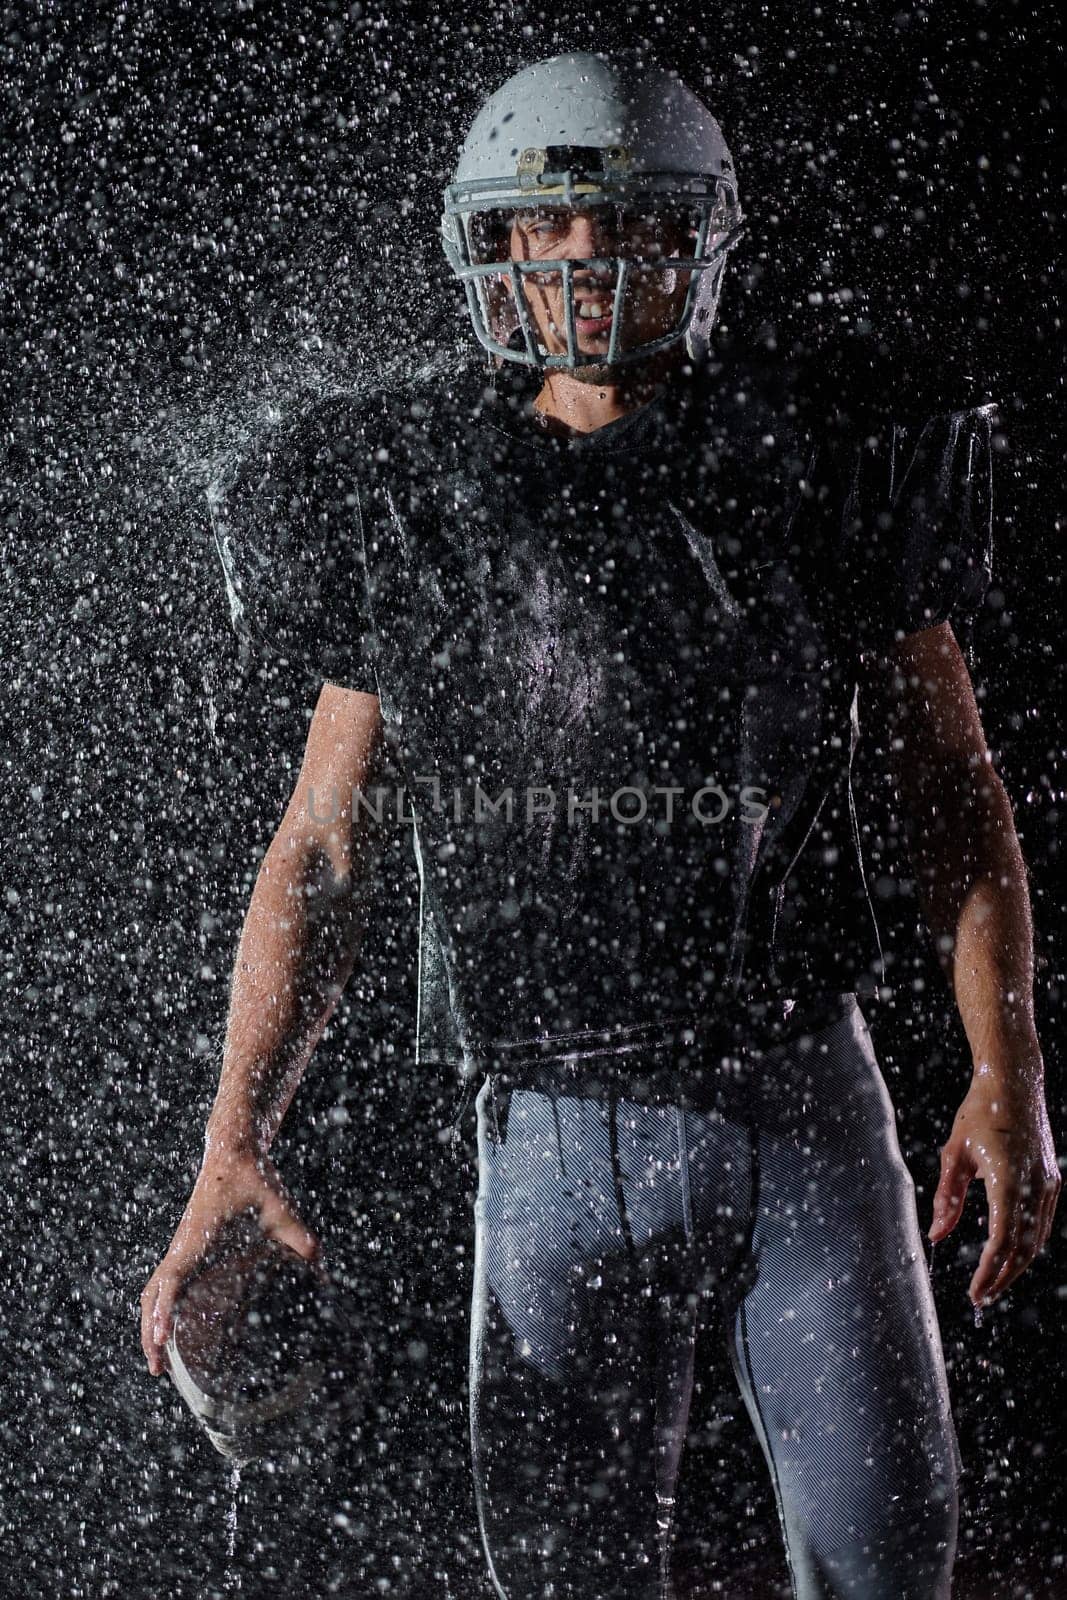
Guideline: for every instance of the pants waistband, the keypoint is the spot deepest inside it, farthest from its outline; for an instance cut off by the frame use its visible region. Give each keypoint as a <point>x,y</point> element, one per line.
<point>656,1061</point>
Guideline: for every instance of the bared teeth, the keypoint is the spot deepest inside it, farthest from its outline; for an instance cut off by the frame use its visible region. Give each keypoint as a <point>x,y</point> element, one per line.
<point>591,309</point>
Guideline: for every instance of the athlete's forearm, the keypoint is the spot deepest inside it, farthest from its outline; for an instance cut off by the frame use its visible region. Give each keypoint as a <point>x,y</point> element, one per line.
<point>972,882</point>
<point>300,941</point>
<point>992,974</point>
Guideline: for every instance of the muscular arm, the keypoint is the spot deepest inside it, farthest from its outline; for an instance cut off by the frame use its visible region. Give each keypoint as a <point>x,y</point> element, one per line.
<point>972,883</point>
<point>963,845</point>
<point>304,924</point>
<point>300,940</point>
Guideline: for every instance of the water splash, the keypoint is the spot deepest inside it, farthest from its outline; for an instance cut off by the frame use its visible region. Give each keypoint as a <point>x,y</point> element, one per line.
<point>233,1575</point>
<point>244,424</point>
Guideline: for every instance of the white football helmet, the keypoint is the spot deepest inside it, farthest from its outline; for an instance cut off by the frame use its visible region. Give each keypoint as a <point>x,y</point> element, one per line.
<point>616,133</point>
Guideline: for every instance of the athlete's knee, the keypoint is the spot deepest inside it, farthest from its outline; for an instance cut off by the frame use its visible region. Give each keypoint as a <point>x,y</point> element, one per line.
<point>900,1563</point>
<point>919,1506</point>
<point>902,1544</point>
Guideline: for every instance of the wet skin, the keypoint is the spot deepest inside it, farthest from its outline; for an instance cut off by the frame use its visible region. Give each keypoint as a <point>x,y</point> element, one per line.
<point>972,882</point>
<point>594,395</point>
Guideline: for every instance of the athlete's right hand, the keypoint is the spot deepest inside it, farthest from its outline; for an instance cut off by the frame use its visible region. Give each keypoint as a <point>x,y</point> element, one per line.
<point>230,1184</point>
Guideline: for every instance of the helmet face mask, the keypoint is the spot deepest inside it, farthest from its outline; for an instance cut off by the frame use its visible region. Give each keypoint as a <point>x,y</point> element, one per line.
<point>664,227</point>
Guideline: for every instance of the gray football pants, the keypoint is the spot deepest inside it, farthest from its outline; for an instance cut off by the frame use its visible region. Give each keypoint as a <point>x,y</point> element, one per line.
<point>608,1231</point>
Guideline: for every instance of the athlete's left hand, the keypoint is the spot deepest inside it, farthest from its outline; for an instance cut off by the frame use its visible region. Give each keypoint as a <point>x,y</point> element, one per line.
<point>1001,1134</point>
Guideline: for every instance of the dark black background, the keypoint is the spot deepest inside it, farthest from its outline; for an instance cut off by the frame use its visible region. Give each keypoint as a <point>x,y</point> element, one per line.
<point>211,212</point>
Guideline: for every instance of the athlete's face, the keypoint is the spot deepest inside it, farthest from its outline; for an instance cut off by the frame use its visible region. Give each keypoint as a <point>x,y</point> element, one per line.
<point>653,298</point>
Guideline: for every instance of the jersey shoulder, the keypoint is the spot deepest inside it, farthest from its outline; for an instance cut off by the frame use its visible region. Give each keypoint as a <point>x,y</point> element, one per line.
<point>748,404</point>
<point>405,425</point>
<point>859,386</point>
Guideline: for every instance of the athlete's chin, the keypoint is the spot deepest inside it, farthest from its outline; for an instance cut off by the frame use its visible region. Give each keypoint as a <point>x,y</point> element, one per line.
<point>608,372</point>
<point>596,372</point>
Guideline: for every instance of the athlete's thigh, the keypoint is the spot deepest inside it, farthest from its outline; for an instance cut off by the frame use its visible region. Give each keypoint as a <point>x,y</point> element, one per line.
<point>562,1364</point>
<point>836,1335</point>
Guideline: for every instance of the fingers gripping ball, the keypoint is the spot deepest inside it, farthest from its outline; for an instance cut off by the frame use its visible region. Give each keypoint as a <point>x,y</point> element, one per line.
<point>266,1353</point>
